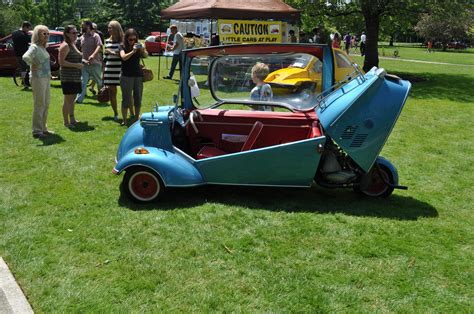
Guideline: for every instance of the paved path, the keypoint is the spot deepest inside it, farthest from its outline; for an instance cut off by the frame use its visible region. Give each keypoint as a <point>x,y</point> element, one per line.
<point>12,299</point>
<point>420,61</point>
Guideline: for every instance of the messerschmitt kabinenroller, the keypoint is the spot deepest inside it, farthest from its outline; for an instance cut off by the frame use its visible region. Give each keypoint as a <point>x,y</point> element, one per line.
<point>329,132</point>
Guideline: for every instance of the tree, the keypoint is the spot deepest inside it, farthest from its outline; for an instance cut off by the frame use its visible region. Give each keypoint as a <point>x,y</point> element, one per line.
<point>371,11</point>
<point>142,15</point>
<point>445,26</point>
<point>55,13</point>
<point>8,20</point>
<point>392,26</point>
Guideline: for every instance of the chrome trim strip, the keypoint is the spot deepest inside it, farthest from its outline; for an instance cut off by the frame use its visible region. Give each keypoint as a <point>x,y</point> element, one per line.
<point>261,185</point>
<point>180,152</point>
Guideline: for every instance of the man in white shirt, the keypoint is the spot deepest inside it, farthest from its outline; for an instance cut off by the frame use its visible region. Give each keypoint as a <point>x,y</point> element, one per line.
<point>363,38</point>
<point>178,45</point>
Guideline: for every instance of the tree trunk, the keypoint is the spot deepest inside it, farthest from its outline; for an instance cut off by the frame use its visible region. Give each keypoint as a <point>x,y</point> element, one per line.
<point>372,25</point>
<point>391,41</point>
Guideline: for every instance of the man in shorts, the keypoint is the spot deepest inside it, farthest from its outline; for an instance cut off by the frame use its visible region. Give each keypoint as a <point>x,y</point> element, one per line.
<point>21,42</point>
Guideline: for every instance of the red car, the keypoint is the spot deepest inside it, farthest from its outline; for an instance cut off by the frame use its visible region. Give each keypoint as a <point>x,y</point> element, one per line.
<point>7,55</point>
<point>156,45</point>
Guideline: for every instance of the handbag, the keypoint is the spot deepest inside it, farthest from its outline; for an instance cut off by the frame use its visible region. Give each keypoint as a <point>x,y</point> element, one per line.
<point>147,73</point>
<point>103,95</point>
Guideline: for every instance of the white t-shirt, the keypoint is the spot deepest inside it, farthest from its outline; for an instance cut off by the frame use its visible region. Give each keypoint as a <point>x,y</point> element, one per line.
<point>178,39</point>
<point>362,38</point>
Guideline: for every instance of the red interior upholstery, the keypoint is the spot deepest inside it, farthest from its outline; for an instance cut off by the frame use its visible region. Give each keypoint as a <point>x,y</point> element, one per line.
<point>275,128</point>
<point>253,135</point>
<point>209,151</point>
<point>315,131</point>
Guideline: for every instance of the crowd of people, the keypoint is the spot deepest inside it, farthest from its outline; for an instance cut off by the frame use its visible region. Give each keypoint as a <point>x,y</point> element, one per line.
<point>349,41</point>
<point>346,42</point>
<point>109,63</point>
<point>112,62</point>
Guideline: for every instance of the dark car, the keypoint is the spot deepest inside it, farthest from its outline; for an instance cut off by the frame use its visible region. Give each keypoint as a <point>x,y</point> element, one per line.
<point>8,60</point>
<point>457,45</point>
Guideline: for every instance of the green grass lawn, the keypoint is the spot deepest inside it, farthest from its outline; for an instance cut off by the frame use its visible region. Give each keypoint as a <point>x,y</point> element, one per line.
<point>76,245</point>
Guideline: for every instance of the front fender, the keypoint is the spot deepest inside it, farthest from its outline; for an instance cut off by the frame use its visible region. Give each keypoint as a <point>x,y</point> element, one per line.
<point>385,162</point>
<point>174,169</point>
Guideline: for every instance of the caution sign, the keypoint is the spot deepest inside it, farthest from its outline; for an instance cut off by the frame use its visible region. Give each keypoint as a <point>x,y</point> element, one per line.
<point>255,32</point>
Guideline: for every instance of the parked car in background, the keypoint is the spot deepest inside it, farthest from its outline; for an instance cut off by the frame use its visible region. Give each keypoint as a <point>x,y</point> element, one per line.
<point>156,43</point>
<point>8,60</point>
<point>457,45</point>
<point>304,73</point>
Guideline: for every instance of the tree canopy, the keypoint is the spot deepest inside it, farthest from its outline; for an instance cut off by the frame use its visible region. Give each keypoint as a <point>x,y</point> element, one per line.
<point>445,25</point>
<point>381,19</point>
<point>143,15</point>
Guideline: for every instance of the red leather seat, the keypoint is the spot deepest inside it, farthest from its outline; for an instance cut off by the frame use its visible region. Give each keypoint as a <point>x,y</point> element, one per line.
<point>253,135</point>
<point>315,131</point>
<point>211,151</point>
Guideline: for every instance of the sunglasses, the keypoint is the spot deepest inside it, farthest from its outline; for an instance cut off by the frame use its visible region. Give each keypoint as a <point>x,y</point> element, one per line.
<point>45,34</point>
<point>74,33</point>
<point>132,40</point>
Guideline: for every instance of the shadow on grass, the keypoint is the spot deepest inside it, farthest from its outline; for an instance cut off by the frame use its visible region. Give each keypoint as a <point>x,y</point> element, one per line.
<point>82,127</point>
<point>95,103</point>
<point>51,140</point>
<point>111,119</point>
<point>454,87</point>
<point>314,200</point>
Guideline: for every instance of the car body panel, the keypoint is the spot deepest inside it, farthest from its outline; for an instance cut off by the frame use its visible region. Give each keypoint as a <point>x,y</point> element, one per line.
<point>360,116</point>
<point>290,164</point>
<point>173,167</point>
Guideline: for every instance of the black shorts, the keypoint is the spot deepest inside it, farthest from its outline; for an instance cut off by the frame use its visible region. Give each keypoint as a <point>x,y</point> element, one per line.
<point>71,88</point>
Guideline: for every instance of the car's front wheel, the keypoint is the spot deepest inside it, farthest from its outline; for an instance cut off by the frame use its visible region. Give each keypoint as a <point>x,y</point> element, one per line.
<point>143,184</point>
<point>374,184</point>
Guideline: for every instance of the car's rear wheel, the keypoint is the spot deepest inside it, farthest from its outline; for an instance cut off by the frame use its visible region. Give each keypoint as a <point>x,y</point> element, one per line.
<point>143,185</point>
<point>374,184</point>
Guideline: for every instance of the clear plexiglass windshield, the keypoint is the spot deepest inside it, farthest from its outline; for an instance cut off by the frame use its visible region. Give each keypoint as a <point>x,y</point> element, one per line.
<point>292,79</point>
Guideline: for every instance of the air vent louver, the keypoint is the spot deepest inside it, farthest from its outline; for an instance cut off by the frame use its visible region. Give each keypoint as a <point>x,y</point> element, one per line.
<point>349,132</point>
<point>358,140</point>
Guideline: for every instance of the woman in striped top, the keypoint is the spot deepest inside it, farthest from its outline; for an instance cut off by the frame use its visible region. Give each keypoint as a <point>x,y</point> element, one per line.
<point>113,62</point>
